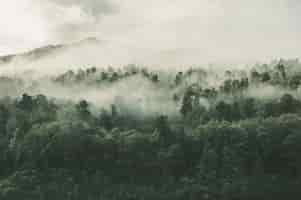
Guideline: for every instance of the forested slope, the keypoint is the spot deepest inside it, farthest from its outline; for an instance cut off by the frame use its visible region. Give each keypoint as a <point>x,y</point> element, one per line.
<point>135,133</point>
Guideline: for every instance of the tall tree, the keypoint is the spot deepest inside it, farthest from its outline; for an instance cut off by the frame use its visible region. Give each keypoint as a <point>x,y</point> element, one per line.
<point>26,103</point>
<point>4,114</point>
<point>83,110</point>
<point>187,102</point>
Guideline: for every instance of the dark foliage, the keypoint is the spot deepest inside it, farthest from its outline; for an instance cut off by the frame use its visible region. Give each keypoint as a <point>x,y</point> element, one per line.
<point>235,147</point>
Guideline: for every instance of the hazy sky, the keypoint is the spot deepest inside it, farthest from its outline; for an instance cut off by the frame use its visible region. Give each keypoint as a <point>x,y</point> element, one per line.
<point>218,30</point>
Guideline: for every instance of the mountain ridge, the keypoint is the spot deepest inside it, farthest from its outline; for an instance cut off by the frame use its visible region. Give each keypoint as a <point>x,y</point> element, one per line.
<point>46,50</point>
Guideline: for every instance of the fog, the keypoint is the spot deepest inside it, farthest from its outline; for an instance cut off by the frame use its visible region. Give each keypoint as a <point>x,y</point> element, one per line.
<point>159,32</point>
<point>161,35</point>
<point>133,95</point>
<point>137,94</point>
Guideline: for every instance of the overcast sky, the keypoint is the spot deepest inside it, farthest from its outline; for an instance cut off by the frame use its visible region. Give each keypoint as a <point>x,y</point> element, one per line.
<point>218,30</point>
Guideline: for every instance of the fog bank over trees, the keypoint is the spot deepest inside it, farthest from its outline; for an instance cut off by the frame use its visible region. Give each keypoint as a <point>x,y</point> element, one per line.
<point>137,132</point>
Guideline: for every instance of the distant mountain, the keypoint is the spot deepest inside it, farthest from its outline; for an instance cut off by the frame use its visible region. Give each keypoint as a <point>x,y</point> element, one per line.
<point>99,53</point>
<point>45,51</point>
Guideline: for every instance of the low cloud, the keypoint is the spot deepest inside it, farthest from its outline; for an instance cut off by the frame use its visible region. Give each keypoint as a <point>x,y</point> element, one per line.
<point>94,8</point>
<point>188,32</point>
<point>69,20</point>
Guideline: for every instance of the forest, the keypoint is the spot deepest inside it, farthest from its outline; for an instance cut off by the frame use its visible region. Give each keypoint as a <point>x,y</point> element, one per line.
<point>137,133</point>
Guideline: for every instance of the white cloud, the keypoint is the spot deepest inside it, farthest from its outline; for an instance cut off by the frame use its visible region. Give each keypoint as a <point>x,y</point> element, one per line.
<point>209,30</point>
<point>20,26</point>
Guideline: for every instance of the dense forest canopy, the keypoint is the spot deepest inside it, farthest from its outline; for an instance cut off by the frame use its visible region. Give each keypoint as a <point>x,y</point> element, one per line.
<point>135,133</point>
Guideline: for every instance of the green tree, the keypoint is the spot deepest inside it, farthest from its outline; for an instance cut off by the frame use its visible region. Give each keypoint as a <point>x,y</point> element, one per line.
<point>287,104</point>
<point>163,129</point>
<point>105,120</point>
<point>83,110</point>
<point>4,115</point>
<point>187,102</point>
<point>223,111</point>
<point>26,103</point>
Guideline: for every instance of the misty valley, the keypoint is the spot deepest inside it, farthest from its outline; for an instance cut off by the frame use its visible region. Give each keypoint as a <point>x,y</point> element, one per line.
<point>143,133</point>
